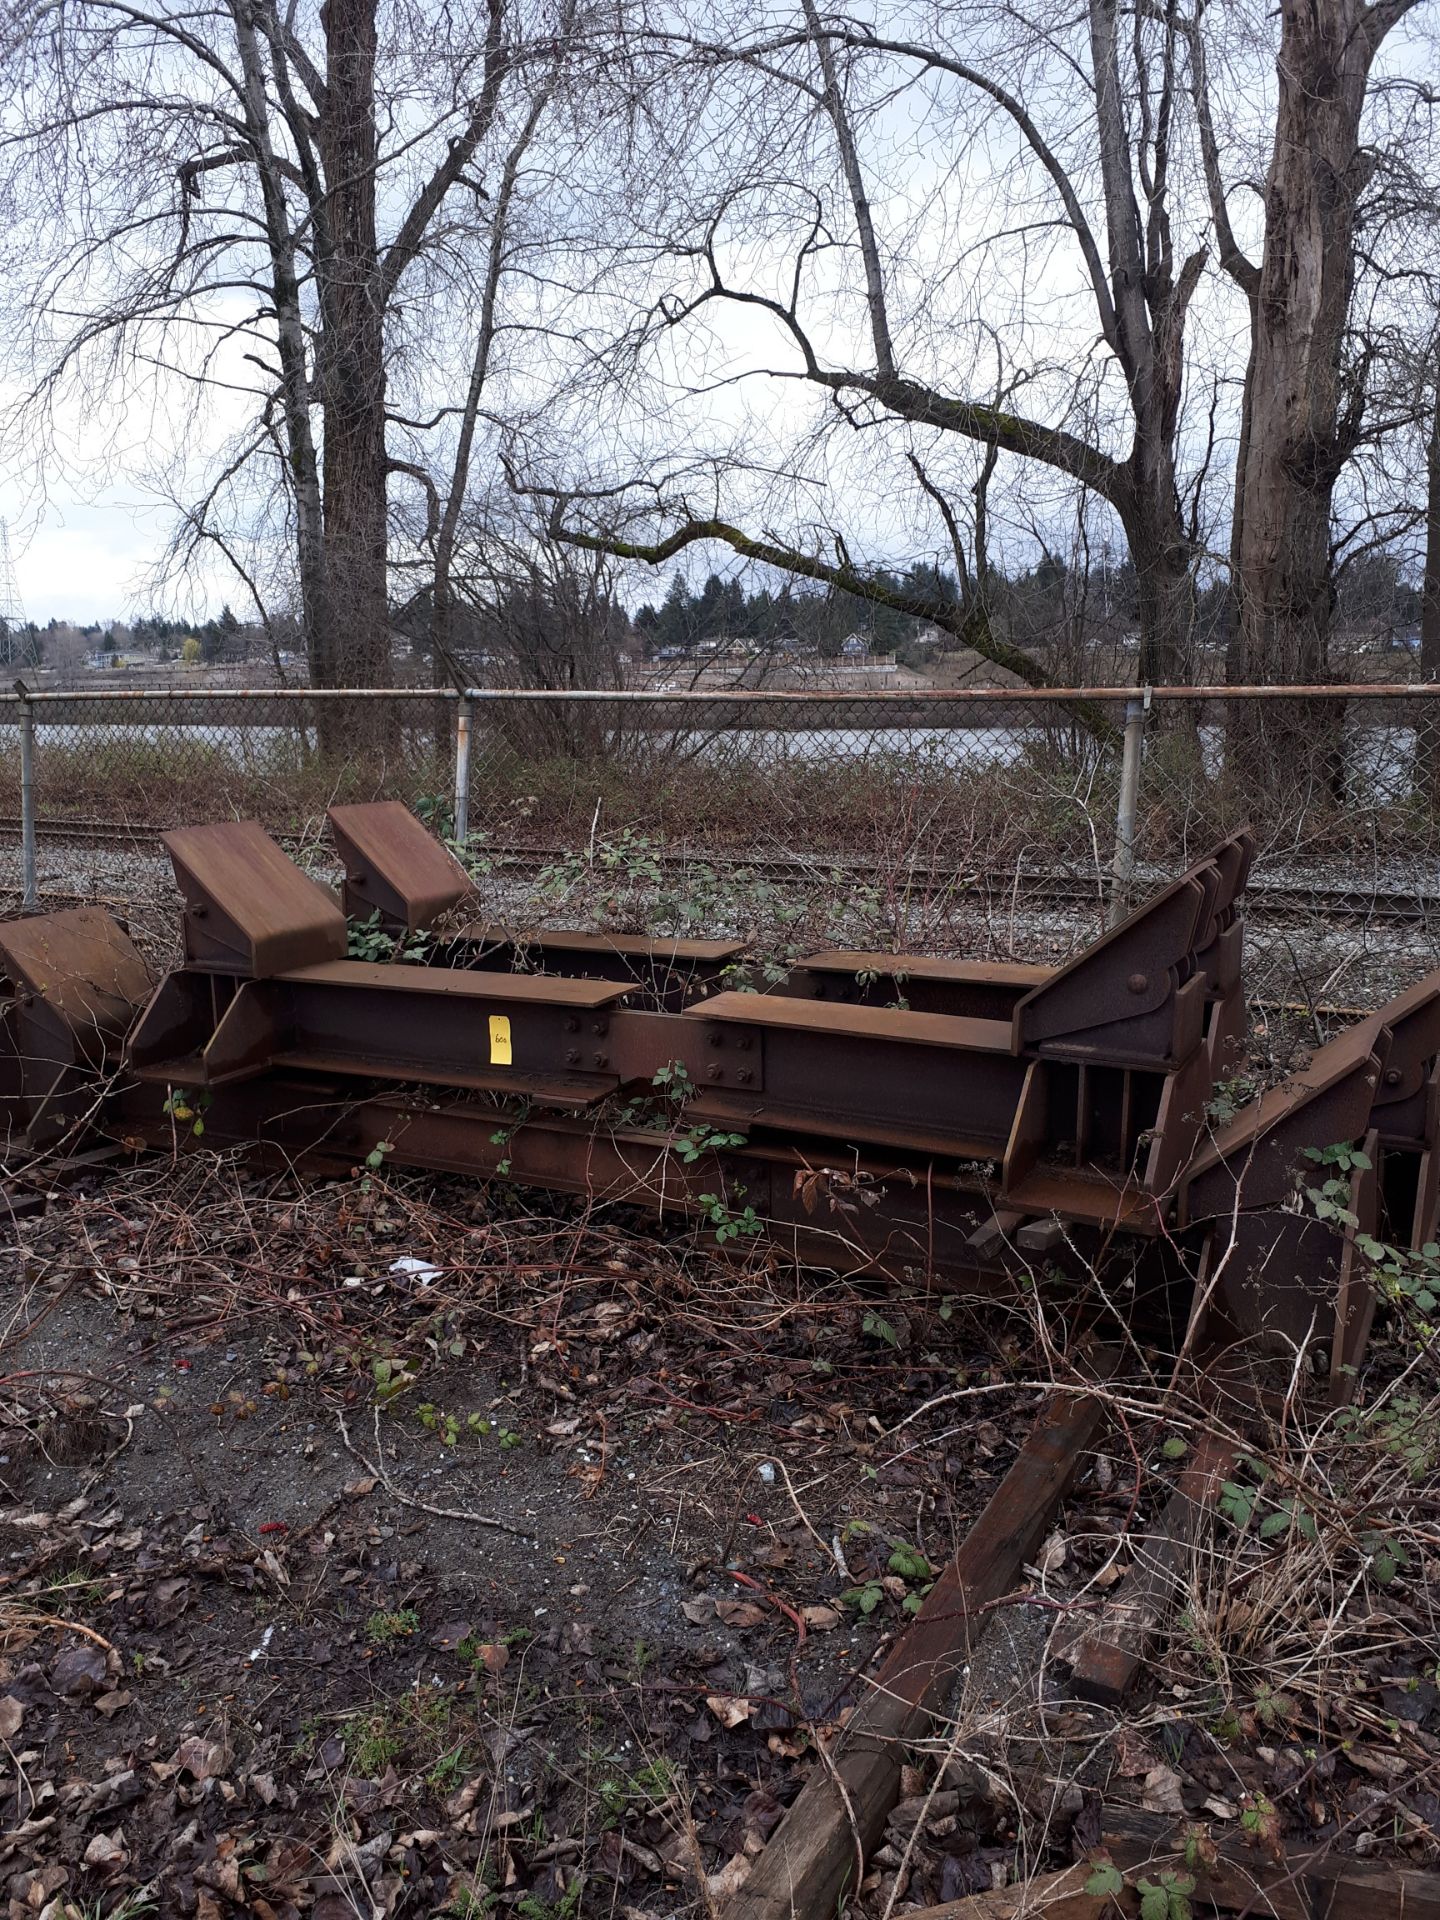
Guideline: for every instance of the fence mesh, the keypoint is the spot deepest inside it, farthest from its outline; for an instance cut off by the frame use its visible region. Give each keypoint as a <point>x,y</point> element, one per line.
<point>982,823</point>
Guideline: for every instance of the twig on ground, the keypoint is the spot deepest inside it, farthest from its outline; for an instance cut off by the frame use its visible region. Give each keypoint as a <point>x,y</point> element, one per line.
<point>377,1468</point>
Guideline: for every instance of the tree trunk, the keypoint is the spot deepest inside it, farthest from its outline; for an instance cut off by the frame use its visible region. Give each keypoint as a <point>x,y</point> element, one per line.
<point>1429,747</point>
<point>1294,444</point>
<point>302,461</point>
<point>1165,589</point>
<point>353,644</point>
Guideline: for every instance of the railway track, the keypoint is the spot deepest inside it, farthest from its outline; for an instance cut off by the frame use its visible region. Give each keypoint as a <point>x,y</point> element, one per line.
<point>1053,891</point>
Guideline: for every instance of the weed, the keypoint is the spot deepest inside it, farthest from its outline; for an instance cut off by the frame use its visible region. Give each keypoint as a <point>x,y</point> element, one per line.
<point>726,1224</point>
<point>910,1578</point>
<point>640,1788</point>
<point>189,1106</point>
<point>368,940</point>
<point>384,1629</point>
<point>531,1907</point>
<point>448,1771</point>
<point>876,1327</point>
<point>391,1378</point>
<point>377,1743</point>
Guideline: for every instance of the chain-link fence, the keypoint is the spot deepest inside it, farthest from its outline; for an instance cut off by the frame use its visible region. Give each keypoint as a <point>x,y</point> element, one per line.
<point>990,822</point>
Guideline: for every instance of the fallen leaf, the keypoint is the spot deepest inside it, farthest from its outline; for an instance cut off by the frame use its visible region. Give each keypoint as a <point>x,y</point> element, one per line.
<point>740,1613</point>
<point>494,1655</point>
<point>106,1852</point>
<point>731,1877</point>
<point>730,1709</point>
<point>1132,1756</point>
<point>1161,1792</point>
<point>701,1610</point>
<point>204,1759</point>
<point>821,1618</point>
<point>1376,1760</point>
<point>1052,1554</point>
<point>448,1637</point>
<point>78,1672</point>
<point>112,1703</point>
<point>12,1713</point>
<point>357,1489</point>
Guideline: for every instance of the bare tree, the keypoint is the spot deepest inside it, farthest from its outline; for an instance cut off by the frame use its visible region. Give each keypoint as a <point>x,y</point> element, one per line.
<point>1094,117</point>
<point>1304,397</point>
<point>231,198</point>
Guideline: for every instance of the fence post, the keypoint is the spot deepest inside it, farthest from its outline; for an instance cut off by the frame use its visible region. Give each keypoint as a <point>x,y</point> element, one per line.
<point>462,768</point>
<point>30,894</point>
<point>1123,871</point>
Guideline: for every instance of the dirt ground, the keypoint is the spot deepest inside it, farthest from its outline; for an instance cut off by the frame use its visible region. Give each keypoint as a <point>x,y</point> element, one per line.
<point>384,1547</point>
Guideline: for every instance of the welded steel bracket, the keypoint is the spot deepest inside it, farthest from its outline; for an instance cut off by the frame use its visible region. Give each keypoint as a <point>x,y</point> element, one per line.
<point>70,986</point>
<point>248,909</point>
<point>394,868</point>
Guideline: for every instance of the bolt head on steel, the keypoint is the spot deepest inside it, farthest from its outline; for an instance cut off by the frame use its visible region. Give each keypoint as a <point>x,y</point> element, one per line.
<point>1138,982</point>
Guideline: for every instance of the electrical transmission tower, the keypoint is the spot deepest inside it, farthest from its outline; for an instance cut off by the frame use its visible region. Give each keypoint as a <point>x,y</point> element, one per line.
<point>12,608</point>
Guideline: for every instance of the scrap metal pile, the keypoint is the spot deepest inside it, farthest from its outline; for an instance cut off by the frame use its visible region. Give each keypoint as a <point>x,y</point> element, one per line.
<point>942,1121</point>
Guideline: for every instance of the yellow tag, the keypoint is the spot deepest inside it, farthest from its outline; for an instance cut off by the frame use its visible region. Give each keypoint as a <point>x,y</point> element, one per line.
<point>500,1040</point>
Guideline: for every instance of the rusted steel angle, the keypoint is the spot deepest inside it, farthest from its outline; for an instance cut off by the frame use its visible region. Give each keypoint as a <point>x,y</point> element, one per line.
<point>1251,1161</point>
<point>248,908</point>
<point>394,869</point>
<point>70,986</point>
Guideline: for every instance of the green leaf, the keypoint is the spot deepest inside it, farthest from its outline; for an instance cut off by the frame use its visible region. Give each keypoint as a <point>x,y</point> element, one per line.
<point>879,1328</point>
<point>909,1563</point>
<point>1154,1901</point>
<point>1175,1448</point>
<point>1273,1524</point>
<point>1107,1878</point>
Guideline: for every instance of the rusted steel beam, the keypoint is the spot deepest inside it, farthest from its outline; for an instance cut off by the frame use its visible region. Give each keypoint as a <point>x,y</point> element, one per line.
<point>1107,1662</point>
<point>667,973</point>
<point>1085,1101</point>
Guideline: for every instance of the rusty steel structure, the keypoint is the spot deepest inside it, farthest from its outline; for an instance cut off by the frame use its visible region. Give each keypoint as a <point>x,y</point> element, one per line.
<point>944,1121</point>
